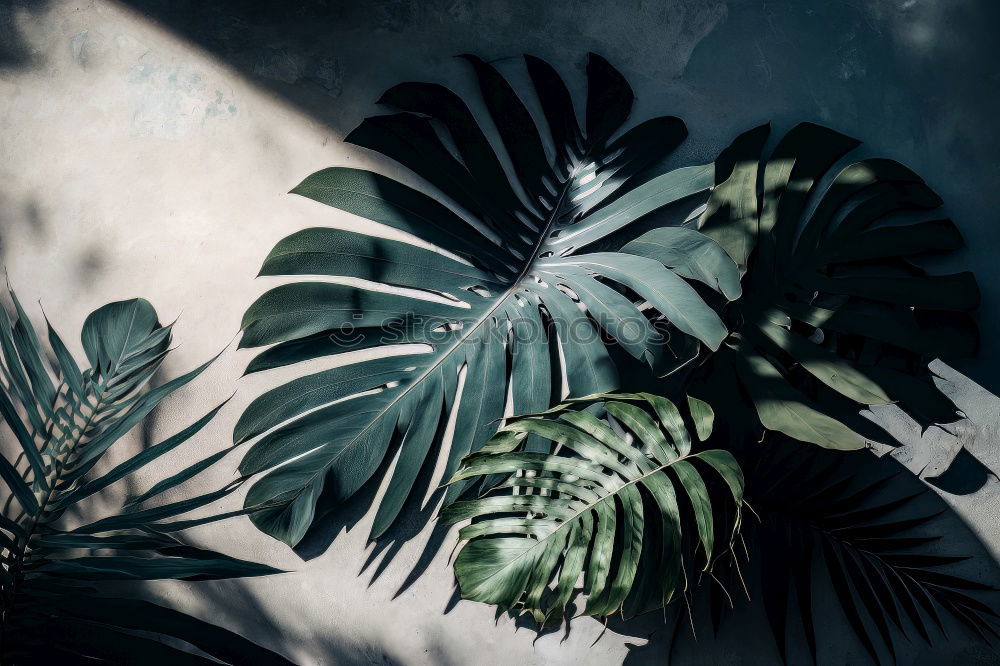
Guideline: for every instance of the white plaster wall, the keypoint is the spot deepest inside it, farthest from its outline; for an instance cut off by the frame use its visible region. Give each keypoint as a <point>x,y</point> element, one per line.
<point>134,162</point>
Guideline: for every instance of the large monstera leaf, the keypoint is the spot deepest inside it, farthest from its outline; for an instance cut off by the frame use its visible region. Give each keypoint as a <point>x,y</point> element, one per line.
<point>835,314</point>
<point>509,306</point>
<point>621,500</point>
<point>62,424</point>
<point>850,522</point>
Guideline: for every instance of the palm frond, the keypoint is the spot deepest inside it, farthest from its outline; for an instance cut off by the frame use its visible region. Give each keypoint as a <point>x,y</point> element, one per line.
<point>63,422</point>
<point>611,500</point>
<point>510,302</point>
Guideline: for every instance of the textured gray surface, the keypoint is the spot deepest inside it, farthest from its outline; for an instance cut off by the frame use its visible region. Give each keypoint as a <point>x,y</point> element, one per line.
<point>145,148</point>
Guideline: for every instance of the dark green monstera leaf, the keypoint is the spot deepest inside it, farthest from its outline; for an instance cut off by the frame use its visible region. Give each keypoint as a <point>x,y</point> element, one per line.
<point>622,500</point>
<point>835,314</point>
<point>63,424</point>
<point>510,309</point>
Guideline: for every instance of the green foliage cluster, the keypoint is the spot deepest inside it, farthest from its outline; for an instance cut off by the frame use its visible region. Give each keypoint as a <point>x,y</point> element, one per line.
<point>616,406</point>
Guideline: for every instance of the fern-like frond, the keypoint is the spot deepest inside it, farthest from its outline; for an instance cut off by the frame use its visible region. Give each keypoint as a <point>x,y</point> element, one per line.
<point>63,420</point>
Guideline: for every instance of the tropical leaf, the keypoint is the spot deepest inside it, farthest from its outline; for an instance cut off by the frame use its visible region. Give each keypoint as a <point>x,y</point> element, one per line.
<point>63,423</point>
<point>509,301</point>
<point>850,522</point>
<point>835,314</point>
<point>622,501</point>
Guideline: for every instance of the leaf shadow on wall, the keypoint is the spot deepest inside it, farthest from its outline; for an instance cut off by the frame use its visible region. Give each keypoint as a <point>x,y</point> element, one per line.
<point>15,52</point>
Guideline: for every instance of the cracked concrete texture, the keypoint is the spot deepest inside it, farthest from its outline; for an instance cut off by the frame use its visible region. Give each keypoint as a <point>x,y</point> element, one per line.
<point>146,146</point>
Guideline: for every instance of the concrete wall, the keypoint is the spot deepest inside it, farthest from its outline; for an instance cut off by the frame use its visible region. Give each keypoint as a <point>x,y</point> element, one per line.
<point>146,146</point>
